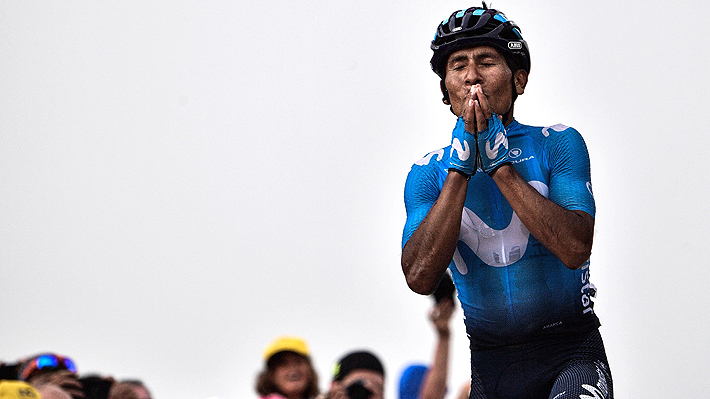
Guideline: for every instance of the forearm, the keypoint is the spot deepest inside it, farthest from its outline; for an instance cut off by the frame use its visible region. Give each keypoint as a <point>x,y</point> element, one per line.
<point>567,234</point>
<point>428,252</point>
<point>434,386</point>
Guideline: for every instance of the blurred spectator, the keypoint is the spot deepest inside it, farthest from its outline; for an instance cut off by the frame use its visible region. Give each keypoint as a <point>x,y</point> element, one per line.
<point>465,390</point>
<point>50,368</point>
<point>17,390</point>
<point>288,372</point>
<point>419,381</point>
<point>129,389</point>
<point>8,371</point>
<point>122,391</point>
<point>51,391</point>
<point>412,380</point>
<point>96,386</point>
<point>55,377</point>
<point>358,375</point>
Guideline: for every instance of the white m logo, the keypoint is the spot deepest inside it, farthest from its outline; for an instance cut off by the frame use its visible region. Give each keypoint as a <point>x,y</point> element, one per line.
<point>463,152</point>
<point>492,151</point>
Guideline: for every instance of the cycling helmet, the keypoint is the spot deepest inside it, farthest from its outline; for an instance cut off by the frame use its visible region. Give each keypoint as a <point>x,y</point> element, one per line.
<point>478,26</point>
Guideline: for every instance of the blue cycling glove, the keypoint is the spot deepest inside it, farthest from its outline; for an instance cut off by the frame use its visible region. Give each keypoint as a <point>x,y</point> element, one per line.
<point>463,149</point>
<point>493,145</point>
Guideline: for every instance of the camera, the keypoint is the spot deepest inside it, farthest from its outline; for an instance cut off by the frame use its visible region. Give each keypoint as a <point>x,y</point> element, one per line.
<point>445,289</point>
<point>357,390</point>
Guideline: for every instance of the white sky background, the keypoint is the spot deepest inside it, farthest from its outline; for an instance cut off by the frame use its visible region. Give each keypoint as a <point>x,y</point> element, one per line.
<point>181,181</point>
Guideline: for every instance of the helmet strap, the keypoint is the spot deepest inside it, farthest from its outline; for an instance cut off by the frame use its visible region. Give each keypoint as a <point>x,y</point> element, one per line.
<point>445,92</point>
<point>512,100</point>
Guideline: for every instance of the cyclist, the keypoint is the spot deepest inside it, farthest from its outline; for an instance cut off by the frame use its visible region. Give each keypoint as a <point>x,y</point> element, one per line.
<point>509,209</point>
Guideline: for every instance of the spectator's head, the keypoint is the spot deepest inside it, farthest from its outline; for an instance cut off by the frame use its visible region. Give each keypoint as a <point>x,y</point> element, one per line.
<point>138,389</point>
<point>128,389</point>
<point>44,363</point>
<point>288,370</point>
<point>361,375</point>
<point>96,386</point>
<point>411,381</point>
<point>50,368</point>
<point>17,390</point>
<point>51,391</point>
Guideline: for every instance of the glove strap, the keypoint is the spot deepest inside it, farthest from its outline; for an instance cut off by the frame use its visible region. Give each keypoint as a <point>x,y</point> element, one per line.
<point>493,145</point>
<point>462,157</point>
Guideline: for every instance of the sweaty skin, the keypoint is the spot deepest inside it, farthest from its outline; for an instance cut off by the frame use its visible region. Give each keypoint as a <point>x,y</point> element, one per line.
<point>478,82</point>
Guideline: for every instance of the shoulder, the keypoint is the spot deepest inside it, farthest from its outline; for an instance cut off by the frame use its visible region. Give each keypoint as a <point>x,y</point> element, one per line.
<point>427,174</point>
<point>558,129</point>
<point>561,132</point>
<point>430,164</point>
<point>554,136</point>
<point>433,158</point>
<point>564,138</point>
<point>551,132</point>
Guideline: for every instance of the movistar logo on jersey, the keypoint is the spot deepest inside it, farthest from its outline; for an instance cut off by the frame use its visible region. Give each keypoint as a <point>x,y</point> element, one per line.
<point>494,247</point>
<point>492,150</point>
<point>462,151</point>
<point>427,158</point>
<point>558,128</point>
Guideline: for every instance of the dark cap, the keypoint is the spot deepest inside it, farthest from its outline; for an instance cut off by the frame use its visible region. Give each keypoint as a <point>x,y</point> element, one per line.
<point>360,360</point>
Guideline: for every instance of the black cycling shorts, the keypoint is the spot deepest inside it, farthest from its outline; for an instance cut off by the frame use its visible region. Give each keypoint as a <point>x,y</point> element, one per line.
<point>553,368</point>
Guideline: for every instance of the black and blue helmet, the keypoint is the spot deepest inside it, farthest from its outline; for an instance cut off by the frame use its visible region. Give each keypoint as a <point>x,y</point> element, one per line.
<point>477,26</point>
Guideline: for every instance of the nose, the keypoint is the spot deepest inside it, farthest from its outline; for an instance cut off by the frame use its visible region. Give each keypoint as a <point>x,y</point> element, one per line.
<point>472,76</point>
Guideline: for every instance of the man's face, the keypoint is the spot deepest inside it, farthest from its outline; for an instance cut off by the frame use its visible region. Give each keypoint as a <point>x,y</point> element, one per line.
<point>372,380</point>
<point>482,65</point>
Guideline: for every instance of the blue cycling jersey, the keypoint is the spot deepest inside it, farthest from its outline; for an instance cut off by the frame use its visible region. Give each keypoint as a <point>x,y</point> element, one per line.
<point>510,286</point>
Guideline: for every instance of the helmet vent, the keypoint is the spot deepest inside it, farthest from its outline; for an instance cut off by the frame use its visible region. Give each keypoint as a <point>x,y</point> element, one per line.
<point>478,26</point>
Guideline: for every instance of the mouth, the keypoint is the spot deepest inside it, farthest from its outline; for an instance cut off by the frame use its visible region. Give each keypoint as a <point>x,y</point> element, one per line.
<point>295,377</point>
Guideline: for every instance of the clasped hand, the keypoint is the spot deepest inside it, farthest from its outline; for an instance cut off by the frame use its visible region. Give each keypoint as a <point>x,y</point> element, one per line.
<point>488,147</point>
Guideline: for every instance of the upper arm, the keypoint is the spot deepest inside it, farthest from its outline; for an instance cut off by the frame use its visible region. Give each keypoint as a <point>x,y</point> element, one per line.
<point>421,191</point>
<point>570,176</point>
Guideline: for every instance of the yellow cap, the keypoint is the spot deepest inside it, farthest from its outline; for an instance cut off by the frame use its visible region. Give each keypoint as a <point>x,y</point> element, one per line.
<point>17,390</point>
<point>283,344</point>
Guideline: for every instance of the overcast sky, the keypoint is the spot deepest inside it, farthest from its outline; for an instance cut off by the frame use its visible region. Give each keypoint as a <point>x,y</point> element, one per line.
<point>182,181</point>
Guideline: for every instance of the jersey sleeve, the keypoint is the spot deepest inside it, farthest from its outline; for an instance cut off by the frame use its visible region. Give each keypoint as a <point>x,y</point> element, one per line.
<point>421,190</point>
<point>570,175</point>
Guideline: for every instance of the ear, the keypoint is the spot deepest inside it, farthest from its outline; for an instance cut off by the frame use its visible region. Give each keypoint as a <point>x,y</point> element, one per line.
<point>445,92</point>
<point>521,80</point>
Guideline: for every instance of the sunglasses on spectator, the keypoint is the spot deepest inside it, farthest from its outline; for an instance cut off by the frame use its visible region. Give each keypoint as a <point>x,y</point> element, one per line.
<point>46,362</point>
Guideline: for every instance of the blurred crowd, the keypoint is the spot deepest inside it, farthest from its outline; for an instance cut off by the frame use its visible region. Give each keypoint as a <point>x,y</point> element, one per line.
<point>288,372</point>
<point>54,376</point>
